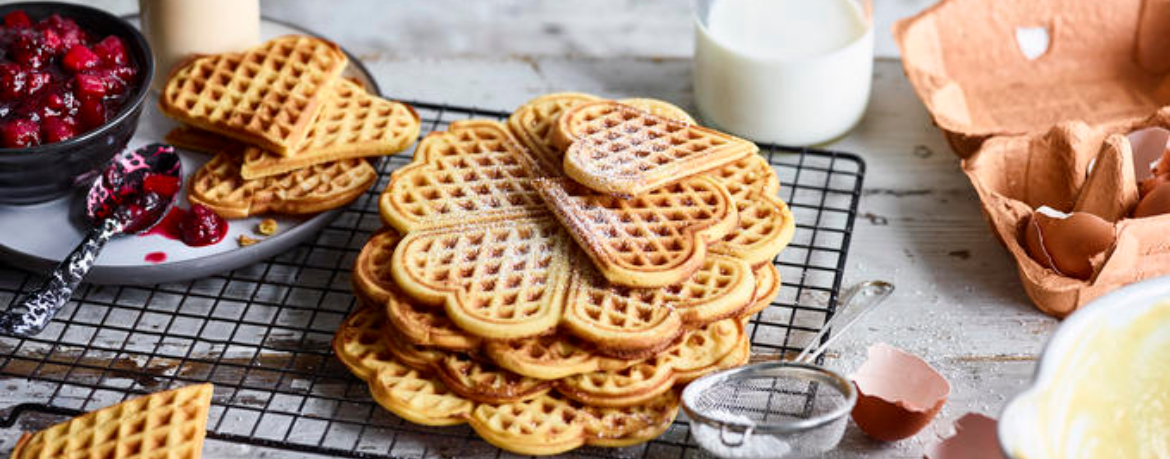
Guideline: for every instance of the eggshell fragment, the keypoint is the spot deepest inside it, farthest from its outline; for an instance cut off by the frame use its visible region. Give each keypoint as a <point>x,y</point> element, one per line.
<point>898,393</point>
<point>1071,244</point>
<point>1148,145</point>
<point>975,438</point>
<point>1157,202</point>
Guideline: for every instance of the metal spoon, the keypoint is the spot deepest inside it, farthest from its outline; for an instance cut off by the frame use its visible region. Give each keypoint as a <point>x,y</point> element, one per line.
<point>131,196</point>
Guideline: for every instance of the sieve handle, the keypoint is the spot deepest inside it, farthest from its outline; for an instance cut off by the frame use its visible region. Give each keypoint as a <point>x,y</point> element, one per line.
<point>725,430</point>
<point>859,300</point>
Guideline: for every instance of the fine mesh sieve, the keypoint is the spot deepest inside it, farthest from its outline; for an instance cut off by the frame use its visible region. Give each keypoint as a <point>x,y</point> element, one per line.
<point>780,409</point>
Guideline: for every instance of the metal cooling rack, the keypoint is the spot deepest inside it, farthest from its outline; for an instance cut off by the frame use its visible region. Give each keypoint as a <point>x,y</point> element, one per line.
<point>262,333</point>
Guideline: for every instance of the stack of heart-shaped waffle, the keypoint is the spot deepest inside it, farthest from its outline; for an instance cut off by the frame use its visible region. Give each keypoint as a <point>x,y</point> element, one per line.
<point>288,132</point>
<point>509,293</point>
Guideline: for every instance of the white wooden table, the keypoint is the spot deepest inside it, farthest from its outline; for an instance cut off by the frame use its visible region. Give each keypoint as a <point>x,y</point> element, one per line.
<point>959,303</point>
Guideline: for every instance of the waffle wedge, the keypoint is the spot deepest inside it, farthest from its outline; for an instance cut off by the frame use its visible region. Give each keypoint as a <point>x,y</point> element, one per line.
<point>654,240</point>
<point>621,150</point>
<point>266,96</point>
<point>428,326</point>
<point>534,123</point>
<point>199,140</point>
<point>474,172</point>
<point>219,186</point>
<point>698,353</point>
<point>767,287</point>
<point>170,424</point>
<point>551,356</point>
<point>352,124</point>
<point>660,108</point>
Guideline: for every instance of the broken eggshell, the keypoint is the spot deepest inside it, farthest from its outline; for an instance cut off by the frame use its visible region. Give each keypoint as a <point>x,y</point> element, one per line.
<point>898,393</point>
<point>1156,202</point>
<point>1110,191</point>
<point>975,438</point>
<point>1073,244</point>
<point>1148,146</point>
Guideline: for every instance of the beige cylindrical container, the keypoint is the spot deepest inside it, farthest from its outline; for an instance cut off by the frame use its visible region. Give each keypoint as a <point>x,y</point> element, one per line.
<point>177,29</point>
<point>794,72</point>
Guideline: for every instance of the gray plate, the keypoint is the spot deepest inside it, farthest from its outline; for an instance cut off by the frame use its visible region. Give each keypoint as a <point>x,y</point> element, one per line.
<point>37,237</point>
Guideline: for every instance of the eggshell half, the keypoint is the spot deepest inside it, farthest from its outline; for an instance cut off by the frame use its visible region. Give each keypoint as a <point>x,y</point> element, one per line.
<point>1149,184</point>
<point>975,438</point>
<point>1071,244</point>
<point>898,393</point>
<point>1111,190</point>
<point>1148,145</point>
<point>1157,202</point>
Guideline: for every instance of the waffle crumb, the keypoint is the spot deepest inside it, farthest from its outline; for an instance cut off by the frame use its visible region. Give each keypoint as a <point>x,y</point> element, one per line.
<point>267,227</point>
<point>247,241</point>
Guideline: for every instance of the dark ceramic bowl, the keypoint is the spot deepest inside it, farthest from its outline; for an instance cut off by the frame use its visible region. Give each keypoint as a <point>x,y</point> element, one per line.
<point>49,171</point>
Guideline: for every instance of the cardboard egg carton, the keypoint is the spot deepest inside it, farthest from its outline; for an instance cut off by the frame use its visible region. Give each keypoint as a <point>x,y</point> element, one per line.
<point>1035,93</point>
<point>1014,175</point>
<point>987,68</point>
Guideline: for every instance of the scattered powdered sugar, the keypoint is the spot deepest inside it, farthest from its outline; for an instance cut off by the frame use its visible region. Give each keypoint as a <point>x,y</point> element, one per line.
<point>742,447</point>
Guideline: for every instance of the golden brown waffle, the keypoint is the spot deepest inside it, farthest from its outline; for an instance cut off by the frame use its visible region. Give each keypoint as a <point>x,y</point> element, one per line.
<point>485,383</point>
<point>533,125</point>
<point>767,287</point>
<point>551,356</point>
<point>219,186</point>
<point>764,229</point>
<point>403,390</point>
<point>549,425</point>
<point>371,278</point>
<point>474,172</point>
<point>698,353</point>
<point>620,150</point>
<point>352,124</point>
<point>512,280</point>
<point>266,96</point>
<point>747,176</point>
<point>419,358</point>
<point>659,108</point>
<point>500,281</point>
<point>624,322</point>
<point>168,424</point>
<point>426,400</point>
<point>428,326</point>
<point>198,140</point>
<point>654,240</point>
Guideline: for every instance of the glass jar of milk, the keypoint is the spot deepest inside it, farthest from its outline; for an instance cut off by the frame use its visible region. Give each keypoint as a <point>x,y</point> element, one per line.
<point>177,29</point>
<point>794,72</point>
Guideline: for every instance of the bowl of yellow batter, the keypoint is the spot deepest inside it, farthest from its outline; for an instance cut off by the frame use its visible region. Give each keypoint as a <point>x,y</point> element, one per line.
<point>1102,386</point>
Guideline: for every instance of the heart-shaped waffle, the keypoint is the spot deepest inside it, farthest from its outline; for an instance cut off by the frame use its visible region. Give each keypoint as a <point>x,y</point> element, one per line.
<point>403,390</point>
<point>503,280</point>
<point>484,383</point>
<point>625,322</point>
<point>371,278</point>
<point>428,326</point>
<point>551,356</point>
<point>621,150</point>
<point>534,122</point>
<point>767,287</point>
<point>474,172</point>
<point>219,186</point>
<point>698,352</point>
<point>426,400</point>
<point>169,424</point>
<point>267,96</point>
<point>654,240</point>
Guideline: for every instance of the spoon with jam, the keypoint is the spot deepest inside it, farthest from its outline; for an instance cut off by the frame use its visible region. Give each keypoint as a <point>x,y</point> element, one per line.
<point>131,196</point>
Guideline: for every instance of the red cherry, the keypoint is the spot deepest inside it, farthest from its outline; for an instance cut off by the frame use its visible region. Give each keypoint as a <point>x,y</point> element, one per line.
<point>21,133</point>
<point>92,113</point>
<point>27,51</point>
<point>51,40</point>
<point>80,58</point>
<point>56,129</point>
<point>90,86</point>
<point>112,51</point>
<point>17,20</point>
<point>13,81</point>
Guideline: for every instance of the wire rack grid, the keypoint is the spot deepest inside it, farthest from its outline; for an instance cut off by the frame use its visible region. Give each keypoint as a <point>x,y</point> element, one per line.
<point>262,333</point>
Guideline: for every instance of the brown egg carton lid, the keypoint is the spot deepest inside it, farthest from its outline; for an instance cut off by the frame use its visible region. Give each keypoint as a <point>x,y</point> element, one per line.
<point>1105,64</point>
<point>1015,174</point>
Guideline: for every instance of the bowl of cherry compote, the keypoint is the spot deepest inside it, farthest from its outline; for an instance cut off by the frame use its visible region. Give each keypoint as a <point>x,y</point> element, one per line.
<point>73,80</point>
